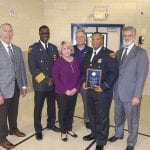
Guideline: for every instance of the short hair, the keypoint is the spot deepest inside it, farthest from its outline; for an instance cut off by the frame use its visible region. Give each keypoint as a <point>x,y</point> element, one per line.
<point>80,30</point>
<point>101,36</point>
<point>43,26</point>
<point>5,24</point>
<point>68,44</point>
<point>130,28</point>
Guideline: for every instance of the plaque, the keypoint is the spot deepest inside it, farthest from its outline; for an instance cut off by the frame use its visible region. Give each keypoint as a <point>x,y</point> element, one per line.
<point>93,78</point>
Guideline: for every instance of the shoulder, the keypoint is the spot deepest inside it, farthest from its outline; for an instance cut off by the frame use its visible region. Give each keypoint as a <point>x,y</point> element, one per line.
<point>75,59</point>
<point>52,46</point>
<point>33,47</point>
<point>16,47</point>
<point>109,53</point>
<point>88,48</point>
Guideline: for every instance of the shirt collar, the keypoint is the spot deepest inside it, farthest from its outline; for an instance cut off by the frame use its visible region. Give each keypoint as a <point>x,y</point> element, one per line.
<point>97,51</point>
<point>129,47</point>
<point>6,45</point>
<point>43,44</point>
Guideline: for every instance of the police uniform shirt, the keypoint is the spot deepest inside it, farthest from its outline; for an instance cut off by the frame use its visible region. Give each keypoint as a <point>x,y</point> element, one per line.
<point>95,52</point>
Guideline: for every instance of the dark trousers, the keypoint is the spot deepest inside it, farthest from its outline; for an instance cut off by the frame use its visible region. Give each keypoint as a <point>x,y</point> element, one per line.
<point>39,98</point>
<point>9,111</point>
<point>66,108</point>
<point>98,111</point>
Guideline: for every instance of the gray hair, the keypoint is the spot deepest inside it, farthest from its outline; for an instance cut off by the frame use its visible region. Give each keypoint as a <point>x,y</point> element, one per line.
<point>5,24</point>
<point>80,30</point>
<point>130,28</point>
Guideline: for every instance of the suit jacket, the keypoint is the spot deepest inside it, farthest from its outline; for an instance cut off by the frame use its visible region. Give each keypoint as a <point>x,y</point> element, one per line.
<point>40,63</point>
<point>10,72</point>
<point>132,74</point>
<point>107,62</point>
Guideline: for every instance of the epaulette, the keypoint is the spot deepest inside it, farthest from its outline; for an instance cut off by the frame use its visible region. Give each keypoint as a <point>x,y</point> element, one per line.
<point>29,49</point>
<point>112,55</point>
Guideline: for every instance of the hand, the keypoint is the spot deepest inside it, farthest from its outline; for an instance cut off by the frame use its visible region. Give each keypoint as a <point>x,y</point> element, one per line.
<point>24,92</point>
<point>50,81</point>
<point>84,86</point>
<point>1,99</point>
<point>73,91</point>
<point>68,93</point>
<point>135,101</point>
<point>98,89</point>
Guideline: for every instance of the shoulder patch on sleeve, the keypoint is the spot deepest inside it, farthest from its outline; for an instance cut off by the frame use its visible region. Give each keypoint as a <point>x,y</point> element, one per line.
<point>29,49</point>
<point>112,55</point>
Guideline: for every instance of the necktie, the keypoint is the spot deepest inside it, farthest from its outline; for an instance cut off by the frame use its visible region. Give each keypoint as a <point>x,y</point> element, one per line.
<point>11,54</point>
<point>94,57</point>
<point>46,48</point>
<point>124,55</point>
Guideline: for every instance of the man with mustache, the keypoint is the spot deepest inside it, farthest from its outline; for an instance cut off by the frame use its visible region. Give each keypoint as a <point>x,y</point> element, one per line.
<point>133,68</point>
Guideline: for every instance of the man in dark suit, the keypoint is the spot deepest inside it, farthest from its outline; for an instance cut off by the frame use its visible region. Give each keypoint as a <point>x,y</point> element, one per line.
<point>99,98</point>
<point>133,68</point>
<point>41,57</point>
<point>80,49</point>
<point>12,82</point>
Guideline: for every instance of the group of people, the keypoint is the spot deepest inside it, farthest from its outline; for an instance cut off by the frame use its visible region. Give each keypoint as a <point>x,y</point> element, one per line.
<point>59,75</point>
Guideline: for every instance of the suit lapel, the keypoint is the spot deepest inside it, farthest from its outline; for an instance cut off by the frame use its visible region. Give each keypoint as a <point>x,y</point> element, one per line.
<point>2,48</point>
<point>131,53</point>
<point>119,54</point>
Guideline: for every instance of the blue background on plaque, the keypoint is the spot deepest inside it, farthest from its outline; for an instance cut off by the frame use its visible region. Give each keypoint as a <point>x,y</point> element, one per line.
<point>93,80</point>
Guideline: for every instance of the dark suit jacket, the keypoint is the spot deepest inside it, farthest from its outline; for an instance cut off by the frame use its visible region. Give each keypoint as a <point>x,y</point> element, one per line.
<point>40,64</point>
<point>105,61</point>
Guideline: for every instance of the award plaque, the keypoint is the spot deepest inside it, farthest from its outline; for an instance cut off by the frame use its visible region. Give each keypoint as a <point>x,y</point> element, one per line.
<point>93,78</point>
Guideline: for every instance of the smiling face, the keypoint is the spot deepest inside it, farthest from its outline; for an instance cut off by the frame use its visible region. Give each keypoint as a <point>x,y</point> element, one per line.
<point>128,38</point>
<point>6,33</point>
<point>80,38</point>
<point>44,34</point>
<point>97,40</point>
<point>66,51</point>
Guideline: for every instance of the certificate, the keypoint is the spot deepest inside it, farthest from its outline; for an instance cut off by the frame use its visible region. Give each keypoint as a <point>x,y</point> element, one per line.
<point>93,78</point>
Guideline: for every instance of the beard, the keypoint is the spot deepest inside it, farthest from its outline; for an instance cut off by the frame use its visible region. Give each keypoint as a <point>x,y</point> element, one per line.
<point>127,43</point>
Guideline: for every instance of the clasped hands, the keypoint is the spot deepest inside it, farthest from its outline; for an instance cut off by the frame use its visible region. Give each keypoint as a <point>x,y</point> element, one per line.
<point>71,92</point>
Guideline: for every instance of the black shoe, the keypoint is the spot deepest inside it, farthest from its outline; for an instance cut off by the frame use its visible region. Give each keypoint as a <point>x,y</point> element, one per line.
<point>17,132</point>
<point>72,134</point>
<point>88,137</point>
<point>99,147</point>
<point>54,128</point>
<point>87,124</point>
<point>113,138</point>
<point>130,148</point>
<point>39,136</point>
<point>65,138</point>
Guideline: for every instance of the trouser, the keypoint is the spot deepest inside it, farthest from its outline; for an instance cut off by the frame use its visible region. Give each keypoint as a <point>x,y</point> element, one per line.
<point>84,99</point>
<point>66,108</point>
<point>98,110</point>
<point>39,98</point>
<point>9,110</point>
<point>123,111</point>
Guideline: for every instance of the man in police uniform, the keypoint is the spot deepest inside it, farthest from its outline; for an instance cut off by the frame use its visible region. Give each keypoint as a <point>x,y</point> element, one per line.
<point>41,57</point>
<point>99,98</point>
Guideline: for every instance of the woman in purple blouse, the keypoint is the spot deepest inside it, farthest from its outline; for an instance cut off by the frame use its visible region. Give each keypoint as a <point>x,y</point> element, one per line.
<point>66,76</point>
